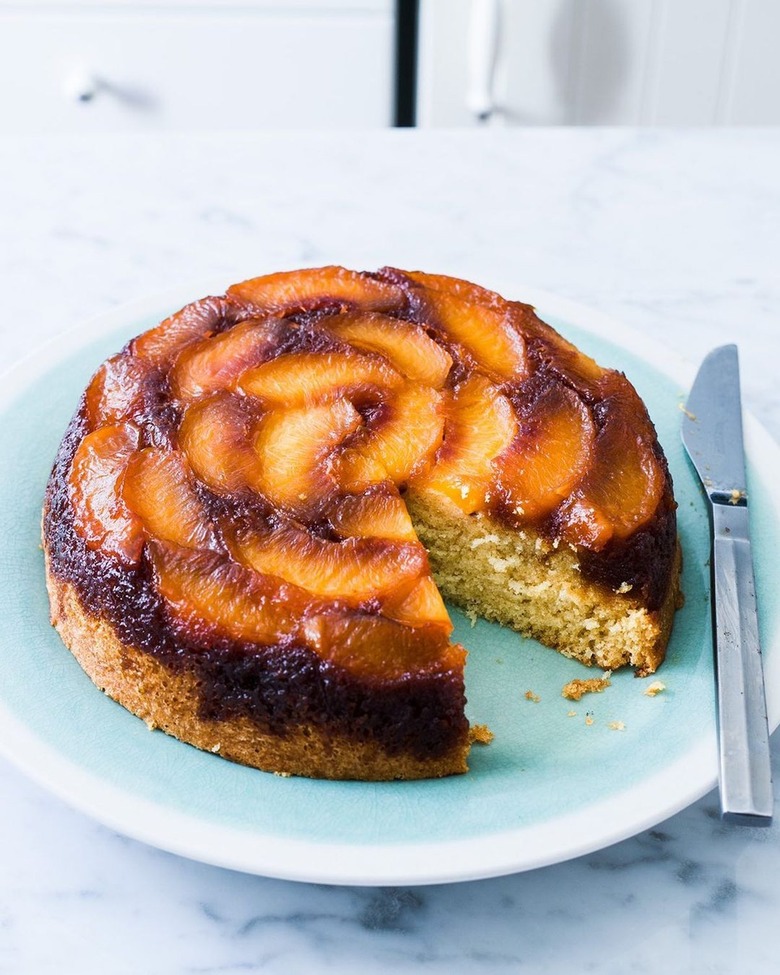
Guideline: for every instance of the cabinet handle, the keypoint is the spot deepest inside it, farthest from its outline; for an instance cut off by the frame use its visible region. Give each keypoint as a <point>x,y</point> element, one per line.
<point>484,23</point>
<point>82,86</point>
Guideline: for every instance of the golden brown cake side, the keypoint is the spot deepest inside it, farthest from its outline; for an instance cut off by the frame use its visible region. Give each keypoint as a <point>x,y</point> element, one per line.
<point>170,700</point>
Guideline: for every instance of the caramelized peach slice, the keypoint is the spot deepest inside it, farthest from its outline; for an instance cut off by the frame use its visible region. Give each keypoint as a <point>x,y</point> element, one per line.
<point>545,343</point>
<point>307,377</point>
<point>480,425</point>
<point>216,363</point>
<point>550,454</point>
<point>458,288</point>
<point>403,438</point>
<point>161,345</point>
<point>357,471</point>
<point>422,604</point>
<point>158,488</point>
<point>555,354</point>
<point>379,513</point>
<point>355,569</point>
<point>410,349</point>
<point>620,493</point>
<point>375,647</point>
<point>117,390</point>
<point>293,447</point>
<point>216,437</point>
<point>486,331</point>
<point>300,290</point>
<point>619,398</point>
<point>100,514</point>
<point>207,587</point>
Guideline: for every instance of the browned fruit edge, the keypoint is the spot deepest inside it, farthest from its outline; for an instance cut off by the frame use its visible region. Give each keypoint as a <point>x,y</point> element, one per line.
<point>674,600</point>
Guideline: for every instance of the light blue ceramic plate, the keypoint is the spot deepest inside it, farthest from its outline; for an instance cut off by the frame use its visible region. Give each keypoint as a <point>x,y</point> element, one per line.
<point>551,786</point>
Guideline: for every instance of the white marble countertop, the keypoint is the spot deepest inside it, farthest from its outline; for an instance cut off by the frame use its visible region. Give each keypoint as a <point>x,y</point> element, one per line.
<point>677,234</point>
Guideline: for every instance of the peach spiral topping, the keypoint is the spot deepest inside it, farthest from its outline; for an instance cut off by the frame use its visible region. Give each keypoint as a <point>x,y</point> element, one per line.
<point>294,446</point>
<point>404,437</point>
<point>254,449</point>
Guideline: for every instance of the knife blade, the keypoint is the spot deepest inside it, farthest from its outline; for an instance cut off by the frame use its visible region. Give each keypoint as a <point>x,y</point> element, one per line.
<point>712,436</point>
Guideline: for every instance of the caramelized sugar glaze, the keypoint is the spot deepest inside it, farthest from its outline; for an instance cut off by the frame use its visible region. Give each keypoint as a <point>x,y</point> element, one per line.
<point>228,496</point>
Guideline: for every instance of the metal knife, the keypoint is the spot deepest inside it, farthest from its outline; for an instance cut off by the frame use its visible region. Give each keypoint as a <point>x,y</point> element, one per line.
<point>712,435</point>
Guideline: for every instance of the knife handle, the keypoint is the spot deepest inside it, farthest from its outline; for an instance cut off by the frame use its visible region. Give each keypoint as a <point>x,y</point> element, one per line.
<point>745,771</point>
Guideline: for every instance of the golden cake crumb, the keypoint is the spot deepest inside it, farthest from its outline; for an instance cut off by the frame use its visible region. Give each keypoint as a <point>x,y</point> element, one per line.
<point>530,696</point>
<point>480,734</point>
<point>681,407</point>
<point>571,714</point>
<point>576,688</point>
<point>484,540</point>
<point>617,726</point>
<point>588,719</point>
<point>655,688</point>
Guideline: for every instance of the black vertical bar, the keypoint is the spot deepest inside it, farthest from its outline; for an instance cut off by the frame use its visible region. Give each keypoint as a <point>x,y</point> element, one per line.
<point>406,30</point>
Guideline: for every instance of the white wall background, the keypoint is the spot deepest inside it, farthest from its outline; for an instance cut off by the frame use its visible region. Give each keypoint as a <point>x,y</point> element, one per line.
<point>610,62</point>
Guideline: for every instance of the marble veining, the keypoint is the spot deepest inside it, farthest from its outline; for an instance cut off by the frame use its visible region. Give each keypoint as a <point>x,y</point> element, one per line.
<point>677,234</point>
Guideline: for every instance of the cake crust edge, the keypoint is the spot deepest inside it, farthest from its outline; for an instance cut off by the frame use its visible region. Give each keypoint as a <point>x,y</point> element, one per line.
<point>169,700</point>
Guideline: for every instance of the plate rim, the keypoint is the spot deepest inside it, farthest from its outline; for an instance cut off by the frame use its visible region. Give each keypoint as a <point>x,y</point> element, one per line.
<point>608,821</point>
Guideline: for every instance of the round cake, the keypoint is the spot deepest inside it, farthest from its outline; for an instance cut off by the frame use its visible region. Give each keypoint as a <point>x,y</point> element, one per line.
<point>259,504</point>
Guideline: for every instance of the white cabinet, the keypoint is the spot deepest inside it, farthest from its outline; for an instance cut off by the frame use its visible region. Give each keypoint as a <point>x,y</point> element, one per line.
<point>112,66</point>
<point>606,62</point>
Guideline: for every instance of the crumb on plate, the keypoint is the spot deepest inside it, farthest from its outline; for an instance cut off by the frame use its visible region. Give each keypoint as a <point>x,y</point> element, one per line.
<point>691,416</point>
<point>575,689</point>
<point>480,734</point>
